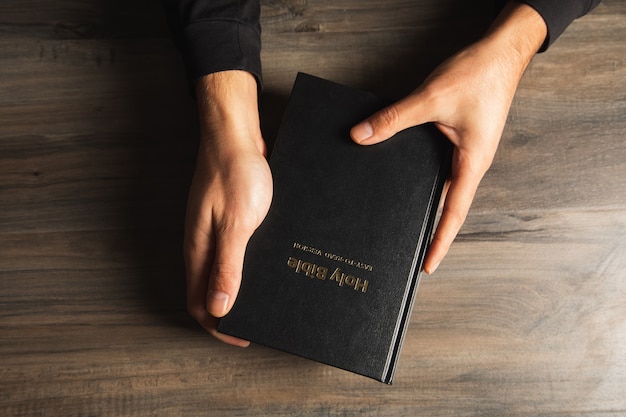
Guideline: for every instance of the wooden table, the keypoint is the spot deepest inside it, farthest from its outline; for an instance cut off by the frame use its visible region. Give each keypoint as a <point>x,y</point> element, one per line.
<point>526,317</point>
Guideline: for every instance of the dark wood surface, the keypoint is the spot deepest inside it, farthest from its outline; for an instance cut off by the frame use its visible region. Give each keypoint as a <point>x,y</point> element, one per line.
<point>526,316</point>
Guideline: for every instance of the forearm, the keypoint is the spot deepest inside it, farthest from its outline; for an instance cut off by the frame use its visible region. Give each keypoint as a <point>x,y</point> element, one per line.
<point>517,33</point>
<point>228,111</point>
<point>557,14</point>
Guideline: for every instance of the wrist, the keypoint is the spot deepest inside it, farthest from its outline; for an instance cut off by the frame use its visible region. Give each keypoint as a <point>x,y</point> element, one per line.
<point>228,111</point>
<point>519,31</point>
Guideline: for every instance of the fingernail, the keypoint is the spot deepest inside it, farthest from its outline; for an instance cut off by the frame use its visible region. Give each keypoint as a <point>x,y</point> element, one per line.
<point>362,131</point>
<point>217,302</point>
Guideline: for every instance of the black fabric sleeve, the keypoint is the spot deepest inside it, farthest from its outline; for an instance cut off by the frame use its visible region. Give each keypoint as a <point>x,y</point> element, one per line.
<point>557,14</point>
<point>217,35</point>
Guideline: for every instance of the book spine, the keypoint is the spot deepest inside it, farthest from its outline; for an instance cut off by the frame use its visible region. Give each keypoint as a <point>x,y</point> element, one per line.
<point>416,269</point>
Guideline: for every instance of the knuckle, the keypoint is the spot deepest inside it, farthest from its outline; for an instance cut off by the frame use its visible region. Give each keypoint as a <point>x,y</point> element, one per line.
<point>225,277</point>
<point>224,270</point>
<point>456,218</point>
<point>388,118</point>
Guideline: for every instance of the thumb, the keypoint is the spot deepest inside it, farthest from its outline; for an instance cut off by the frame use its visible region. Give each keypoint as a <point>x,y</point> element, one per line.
<point>408,112</point>
<point>225,276</point>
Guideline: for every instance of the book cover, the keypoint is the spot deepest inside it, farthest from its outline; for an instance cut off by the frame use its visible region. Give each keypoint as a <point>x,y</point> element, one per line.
<point>332,272</point>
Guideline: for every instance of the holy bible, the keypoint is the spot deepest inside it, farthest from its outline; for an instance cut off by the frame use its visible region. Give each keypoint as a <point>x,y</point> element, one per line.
<point>331,273</point>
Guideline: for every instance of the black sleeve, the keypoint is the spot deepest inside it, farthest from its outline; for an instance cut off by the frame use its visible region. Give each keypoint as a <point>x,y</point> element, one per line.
<point>558,14</point>
<point>216,35</point>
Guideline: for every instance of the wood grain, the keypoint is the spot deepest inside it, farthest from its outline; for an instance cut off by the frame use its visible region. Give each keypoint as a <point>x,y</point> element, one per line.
<point>526,317</point>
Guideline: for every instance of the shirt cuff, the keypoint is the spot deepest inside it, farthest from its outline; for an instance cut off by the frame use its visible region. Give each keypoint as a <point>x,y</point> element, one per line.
<point>220,45</point>
<point>559,16</point>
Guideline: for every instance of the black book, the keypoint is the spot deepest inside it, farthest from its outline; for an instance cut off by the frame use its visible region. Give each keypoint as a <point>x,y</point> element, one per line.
<point>331,273</point>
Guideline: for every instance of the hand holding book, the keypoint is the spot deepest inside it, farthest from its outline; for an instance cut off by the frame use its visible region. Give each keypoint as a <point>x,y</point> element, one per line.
<point>229,197</point>
<point>468,98</point>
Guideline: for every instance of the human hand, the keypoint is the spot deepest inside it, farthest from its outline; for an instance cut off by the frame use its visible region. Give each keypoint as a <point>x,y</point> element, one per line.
<point>230,196</point>
<point>468,98</point>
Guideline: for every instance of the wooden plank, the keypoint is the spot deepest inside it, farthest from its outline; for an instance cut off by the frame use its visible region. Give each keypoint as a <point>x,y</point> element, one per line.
<point>526,316</point>
<point>75,19</point>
